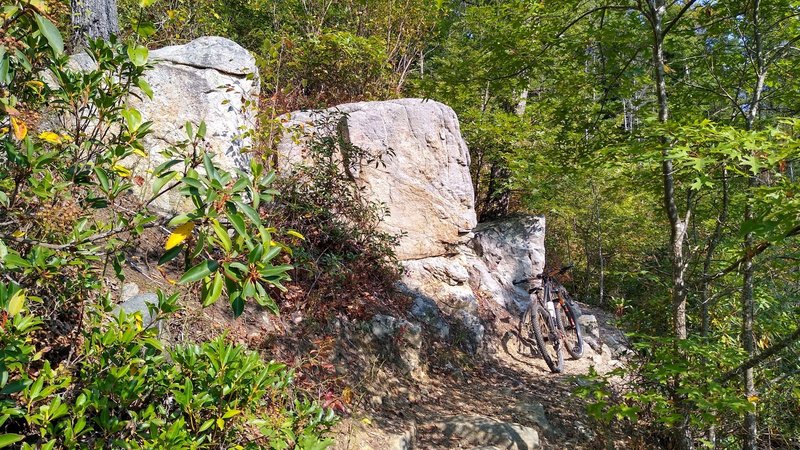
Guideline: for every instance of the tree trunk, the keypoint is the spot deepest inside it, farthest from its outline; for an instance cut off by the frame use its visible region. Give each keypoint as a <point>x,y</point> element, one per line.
<point>601,263</point>
<point>93,19</point>
<point>748,271</point>
<point>748,339</point>
<point>712,246</point>
<point>656,12</point>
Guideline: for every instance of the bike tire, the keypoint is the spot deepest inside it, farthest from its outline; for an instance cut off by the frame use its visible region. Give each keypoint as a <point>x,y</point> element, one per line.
<point>538,320</point>
<point>567,319</point>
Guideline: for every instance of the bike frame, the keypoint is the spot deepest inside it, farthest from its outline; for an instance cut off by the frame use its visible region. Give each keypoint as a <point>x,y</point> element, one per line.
<point>548,304</point>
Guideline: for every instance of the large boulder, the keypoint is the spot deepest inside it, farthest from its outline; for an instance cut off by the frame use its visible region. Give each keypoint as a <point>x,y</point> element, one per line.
<point>416,163</point>
<point>413,160</point>
<point>210,79</point>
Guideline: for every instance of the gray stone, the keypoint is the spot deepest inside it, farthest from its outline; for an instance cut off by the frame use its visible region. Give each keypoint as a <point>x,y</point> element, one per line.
<point>474,331</point>
<point>423,178</point>
<point>589,326</point>
<point>426,311</point>
<point>510,249</point>
<point>128,290</point>
<point>431,278</point>
<point>138,304</point>
<point>209,52</point>
<point>532,411</point>
<point>210,79</point>
<point>400,336</point>
<point>484,431</point>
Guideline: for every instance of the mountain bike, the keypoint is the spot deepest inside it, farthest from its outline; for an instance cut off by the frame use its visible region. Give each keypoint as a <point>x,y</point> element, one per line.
<point>551,320</point>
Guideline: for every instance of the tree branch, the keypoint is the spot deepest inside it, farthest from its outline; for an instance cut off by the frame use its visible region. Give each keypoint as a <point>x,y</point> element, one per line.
<point>678,17</point>
<point>761,357</point>
<point>751,253</point>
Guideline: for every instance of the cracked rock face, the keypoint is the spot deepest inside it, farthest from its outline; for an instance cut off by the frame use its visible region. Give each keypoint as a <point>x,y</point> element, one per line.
<point>423,174</point>
<point>210,79</point>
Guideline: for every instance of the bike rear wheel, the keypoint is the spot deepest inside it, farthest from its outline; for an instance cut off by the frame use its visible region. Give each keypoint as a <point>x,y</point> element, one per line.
<point>536,321</point>
<point>567,319</point>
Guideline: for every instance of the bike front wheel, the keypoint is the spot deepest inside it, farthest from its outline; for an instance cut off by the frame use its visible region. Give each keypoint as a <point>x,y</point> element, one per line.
<point>567,319</point>
<point>536,321</point>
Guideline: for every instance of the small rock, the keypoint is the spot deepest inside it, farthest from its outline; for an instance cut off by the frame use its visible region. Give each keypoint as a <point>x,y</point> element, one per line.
<point>484,431</point>
<point>426,311</point>
<point>403,337</point>
<point>127,291</point>
<point>593,344</point>
<point>532,411</point>
<point>474,331</point>
<point>138,303</point>
<point>375,401</point>
<point>587,433</point>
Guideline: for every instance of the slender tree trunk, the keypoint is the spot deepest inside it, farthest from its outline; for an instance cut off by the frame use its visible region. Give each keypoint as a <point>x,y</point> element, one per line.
<point>748,339</point>
<point>93,19</point>
<point>656,12</point>
<point>748,270</point>
<point>601,262</point>
<point>712,246</point>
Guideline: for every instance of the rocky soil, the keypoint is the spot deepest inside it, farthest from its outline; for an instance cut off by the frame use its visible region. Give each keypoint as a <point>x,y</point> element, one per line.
<point>505,398</point>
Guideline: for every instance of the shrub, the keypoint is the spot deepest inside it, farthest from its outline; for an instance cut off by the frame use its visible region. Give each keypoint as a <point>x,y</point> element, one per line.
<point>344,254</point>
<point>127,391</point>
<point>69,377</point>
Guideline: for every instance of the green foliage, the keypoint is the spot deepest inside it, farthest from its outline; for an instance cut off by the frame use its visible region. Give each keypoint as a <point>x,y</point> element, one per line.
<point>343,249</point>
<point>130,392</point>
<point>70,149</point>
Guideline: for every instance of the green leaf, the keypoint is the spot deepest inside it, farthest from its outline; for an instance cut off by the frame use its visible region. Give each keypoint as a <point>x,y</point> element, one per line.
<point>138,55</point>
<point>133,118</point>
<point>145,29</point>
<point>251,213</point>
<point>103,178</point>
<point>145,87</point>
<point>159,182</point>
<point>51,33</point>
<point>206,425</point>
<point>215,291</point>
<point>13,260</point>
<point>237,222</point>
<point>222,235</point>
<point>15,303</point>
<point>10,438</point>
<point>170,255</point>
<point>199,271</point>
<point>237,304</point>
<point>5,64</point>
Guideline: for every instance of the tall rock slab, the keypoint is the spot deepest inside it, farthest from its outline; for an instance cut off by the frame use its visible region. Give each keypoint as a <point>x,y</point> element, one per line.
<point>416,164</point>
<point>413,160</point>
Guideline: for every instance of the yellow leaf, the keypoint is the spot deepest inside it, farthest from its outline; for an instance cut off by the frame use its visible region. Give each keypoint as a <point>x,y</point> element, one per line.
<point>40,5</point>
<point>220,423</point>
<point>18,234</point>
<point>752,398</point>
<point>35,84</point>
<point>366,421</point>
<point>121,170</point>
<point>50,137</point>
<point>15,303</point>
<point>179,235</point>
<point>140,152</point>
<point>3,132</point>
<point>20,129</point>
<point>296,234</point>
<point>65,137</point>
